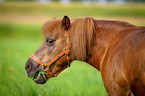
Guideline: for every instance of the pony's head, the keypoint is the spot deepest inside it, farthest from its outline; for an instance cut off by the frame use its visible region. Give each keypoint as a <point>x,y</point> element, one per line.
<point>62,40</point>
<point>53,55</point>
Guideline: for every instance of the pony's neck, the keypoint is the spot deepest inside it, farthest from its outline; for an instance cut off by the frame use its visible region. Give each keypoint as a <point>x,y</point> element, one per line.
<point>90,39</point>
<point>106,36</point>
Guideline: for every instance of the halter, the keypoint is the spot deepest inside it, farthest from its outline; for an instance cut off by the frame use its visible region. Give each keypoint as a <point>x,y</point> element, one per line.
<point>45,67</point>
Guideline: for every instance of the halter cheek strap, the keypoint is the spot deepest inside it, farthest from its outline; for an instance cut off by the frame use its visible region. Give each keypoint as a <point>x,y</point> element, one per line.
<point>45,67</point>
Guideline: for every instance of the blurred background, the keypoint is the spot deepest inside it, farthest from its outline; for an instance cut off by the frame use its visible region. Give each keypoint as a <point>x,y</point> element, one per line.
<point>20,35</point>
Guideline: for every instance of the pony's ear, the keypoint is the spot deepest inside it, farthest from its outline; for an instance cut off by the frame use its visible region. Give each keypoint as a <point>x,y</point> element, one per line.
<point>65,23</point>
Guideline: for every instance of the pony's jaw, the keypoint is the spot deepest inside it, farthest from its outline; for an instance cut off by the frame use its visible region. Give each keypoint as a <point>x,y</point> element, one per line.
<point>41,79</point>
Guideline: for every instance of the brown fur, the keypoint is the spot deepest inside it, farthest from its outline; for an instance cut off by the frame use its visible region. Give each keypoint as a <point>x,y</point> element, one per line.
<point>49,28</point>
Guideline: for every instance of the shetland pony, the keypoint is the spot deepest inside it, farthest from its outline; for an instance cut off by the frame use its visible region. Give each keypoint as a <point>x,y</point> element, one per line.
<point>115,48</point>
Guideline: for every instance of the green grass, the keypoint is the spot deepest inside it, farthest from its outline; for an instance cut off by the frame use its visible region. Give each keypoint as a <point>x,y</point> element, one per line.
<point>78,80</point>
<point>23,31</point>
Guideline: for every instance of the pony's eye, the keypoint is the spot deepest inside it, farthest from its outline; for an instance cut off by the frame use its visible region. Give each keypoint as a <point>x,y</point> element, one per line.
<point>50,41</point>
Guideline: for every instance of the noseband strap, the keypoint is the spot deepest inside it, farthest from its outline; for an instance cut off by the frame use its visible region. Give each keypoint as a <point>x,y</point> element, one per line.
<point>45,67</point>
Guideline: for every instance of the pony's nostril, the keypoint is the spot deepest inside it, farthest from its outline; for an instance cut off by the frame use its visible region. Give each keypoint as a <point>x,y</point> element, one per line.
<point>28,67</point>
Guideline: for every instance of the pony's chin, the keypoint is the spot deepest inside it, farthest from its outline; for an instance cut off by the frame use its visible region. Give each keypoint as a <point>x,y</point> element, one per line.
<point>41,79</point>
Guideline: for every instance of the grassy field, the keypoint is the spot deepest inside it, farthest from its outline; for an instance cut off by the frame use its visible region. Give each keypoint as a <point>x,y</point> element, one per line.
<point>20,35</point>
<point>80,79</point>
<point>76,9</point>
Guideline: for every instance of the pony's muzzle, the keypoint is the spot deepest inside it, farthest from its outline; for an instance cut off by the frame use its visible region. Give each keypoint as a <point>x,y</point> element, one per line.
<point>31,67</point>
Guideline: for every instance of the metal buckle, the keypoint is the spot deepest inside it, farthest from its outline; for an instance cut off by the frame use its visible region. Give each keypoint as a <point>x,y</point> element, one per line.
<point>64,49</point>
<point>44,68</point>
